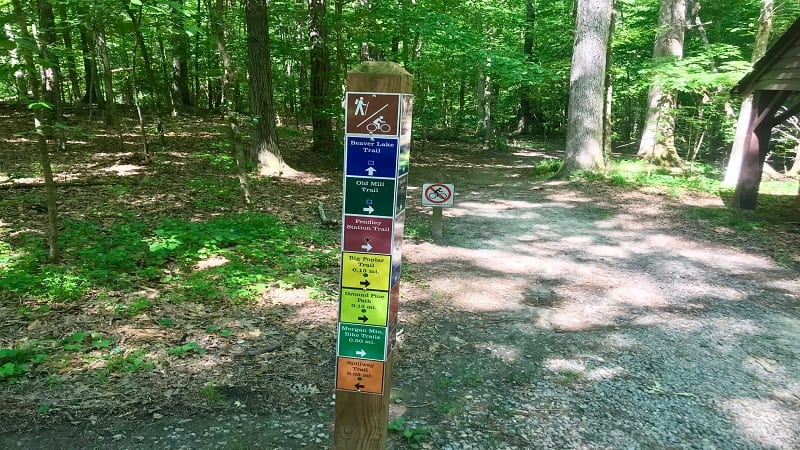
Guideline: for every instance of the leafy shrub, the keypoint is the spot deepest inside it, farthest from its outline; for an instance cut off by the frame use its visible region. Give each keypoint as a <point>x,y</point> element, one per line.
<point>15,362</point>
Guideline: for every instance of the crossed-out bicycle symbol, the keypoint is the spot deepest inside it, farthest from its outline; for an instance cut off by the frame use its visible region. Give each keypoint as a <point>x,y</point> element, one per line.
<point>438,193</point>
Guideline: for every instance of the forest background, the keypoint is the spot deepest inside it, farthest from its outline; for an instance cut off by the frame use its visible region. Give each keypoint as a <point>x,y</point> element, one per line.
<point>184,153</point>
<point>491,69</point>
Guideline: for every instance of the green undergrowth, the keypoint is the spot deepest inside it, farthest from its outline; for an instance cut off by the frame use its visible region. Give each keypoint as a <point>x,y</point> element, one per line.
<point>698,177</point>
<point>228,258</point>
<point>632,173</point>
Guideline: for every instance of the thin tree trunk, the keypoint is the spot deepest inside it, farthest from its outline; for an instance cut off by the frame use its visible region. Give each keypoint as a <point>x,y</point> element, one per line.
<point>92,94</point>
<point>25,53</point>
<point>485,96</point>
<point>69,53</point>
<point>609,88</point>
<point>228,78</point>
<point>142,129</point>
<point>525,111</point>
<point>109,112</point>
<point>180,68</point>
<point>148,62</point>
<point>584,146</point>
<point>45,82</point>
<point>19,75</point>
<point>737,149</point>
<point>658,138</point>
<point>320,77</point>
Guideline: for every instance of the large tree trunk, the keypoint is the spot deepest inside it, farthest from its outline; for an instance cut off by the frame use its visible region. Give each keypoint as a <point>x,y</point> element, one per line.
<point>737,149</point>
<point>264,150</point>
<point>320,77</point>
<point>658,138</point>
<point>584,147</point>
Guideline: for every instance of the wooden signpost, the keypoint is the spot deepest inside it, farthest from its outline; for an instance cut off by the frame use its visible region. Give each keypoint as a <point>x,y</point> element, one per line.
<point>377,147</point>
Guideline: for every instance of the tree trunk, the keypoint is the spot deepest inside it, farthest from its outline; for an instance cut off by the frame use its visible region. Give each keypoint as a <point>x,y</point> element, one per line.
<point>795,170</point>
<point>737,149</point>
<point>264,150</point>
<point>218,26</point>
<point>45,81</point>
<point>181,100</point>
<point>320,73</point>
<point>228,79</point>
<point>92,94</point>
<point>525,116</point>
<point>20,82</point>
<point>485,96</point>
<point>658,138</point>
<point>609,89</point>
<point>25,53</point>
<point>584,146</point>
<point>109,112</point>
<point>70,54</point>
<point>148,62</point>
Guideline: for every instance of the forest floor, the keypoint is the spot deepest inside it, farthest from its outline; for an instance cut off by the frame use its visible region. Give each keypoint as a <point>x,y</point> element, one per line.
<point>551,315</point>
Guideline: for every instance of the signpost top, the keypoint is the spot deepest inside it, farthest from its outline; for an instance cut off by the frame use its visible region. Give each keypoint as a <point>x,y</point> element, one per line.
<point>380,76</point>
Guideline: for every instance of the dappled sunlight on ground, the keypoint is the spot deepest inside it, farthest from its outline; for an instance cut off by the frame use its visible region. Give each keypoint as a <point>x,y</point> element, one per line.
<point>610,302</point>
<point>122,170</point>
<point>764,421</point>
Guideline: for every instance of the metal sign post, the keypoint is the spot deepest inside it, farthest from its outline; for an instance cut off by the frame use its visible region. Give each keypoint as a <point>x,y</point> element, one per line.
<point>377,147</point>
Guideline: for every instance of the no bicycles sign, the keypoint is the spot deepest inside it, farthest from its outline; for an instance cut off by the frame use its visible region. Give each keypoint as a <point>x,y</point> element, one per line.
<point>437,194</point>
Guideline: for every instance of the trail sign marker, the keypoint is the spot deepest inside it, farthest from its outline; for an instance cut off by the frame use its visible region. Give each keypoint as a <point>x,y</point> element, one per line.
<point>364,307</point>
<point>373,113</point>
<point>377,144</point>
<point>359,375</point>
<point>362,341</point>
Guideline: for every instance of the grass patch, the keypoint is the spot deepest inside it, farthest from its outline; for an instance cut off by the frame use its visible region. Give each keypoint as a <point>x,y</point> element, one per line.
<point>636,173</point>
<point>568,377</point>
<point>228,258</point>
<point>726,217</point>
<point>546,168</point>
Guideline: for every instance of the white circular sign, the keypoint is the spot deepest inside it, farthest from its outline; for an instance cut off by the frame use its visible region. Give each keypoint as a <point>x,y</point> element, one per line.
<point>437,194</point>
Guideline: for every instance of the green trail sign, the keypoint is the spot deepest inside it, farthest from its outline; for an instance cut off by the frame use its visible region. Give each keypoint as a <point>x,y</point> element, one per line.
<point>362,341</point>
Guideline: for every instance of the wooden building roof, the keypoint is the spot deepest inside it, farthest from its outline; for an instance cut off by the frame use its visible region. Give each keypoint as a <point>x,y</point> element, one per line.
<point>775,78</point>
<point>778,69</point>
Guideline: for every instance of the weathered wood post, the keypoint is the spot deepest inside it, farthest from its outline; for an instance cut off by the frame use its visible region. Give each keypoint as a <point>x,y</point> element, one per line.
<point>377,148</point>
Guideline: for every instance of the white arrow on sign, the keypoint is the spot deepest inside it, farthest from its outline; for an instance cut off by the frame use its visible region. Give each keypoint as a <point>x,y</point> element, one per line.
<point>371,171</point>
<point>367,247</point>
<point>361,353</point>
<point>369,209</point>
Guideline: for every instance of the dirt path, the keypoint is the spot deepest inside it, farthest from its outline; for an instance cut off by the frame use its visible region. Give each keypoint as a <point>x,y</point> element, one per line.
<point>554,318</point>
<point>548,317</point>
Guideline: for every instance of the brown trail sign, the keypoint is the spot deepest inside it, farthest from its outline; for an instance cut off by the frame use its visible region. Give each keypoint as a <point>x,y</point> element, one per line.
<point>377,143</point>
